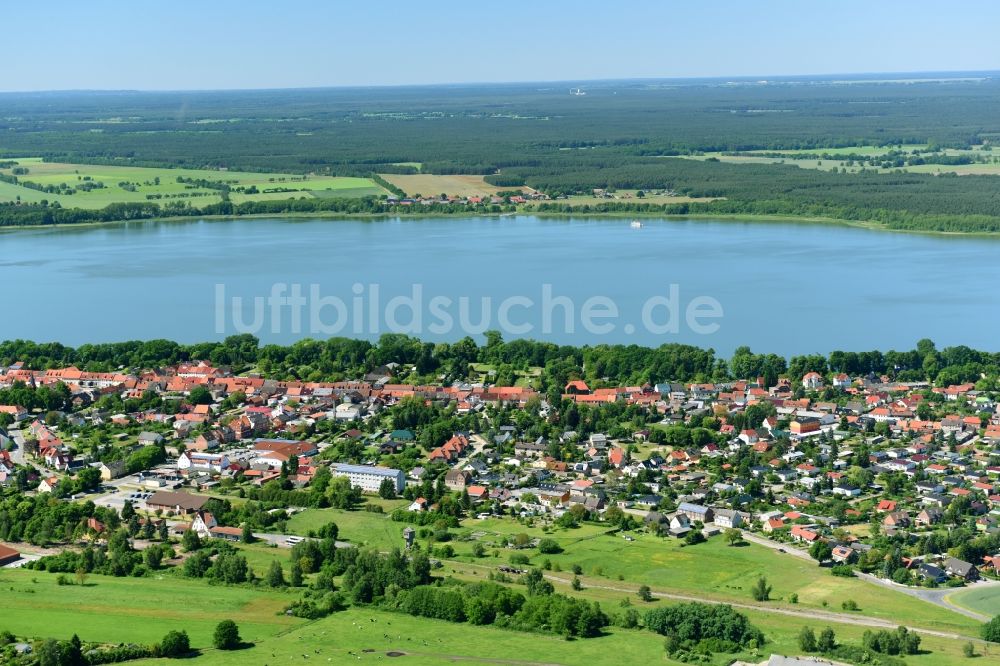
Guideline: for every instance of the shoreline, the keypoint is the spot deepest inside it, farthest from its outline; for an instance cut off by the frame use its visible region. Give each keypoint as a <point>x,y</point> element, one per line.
<point>695,217</point>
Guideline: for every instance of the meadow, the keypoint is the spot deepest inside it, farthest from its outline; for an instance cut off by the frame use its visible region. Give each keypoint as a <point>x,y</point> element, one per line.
<point>711,570</point>
<point>142,610</point>
<point>808,159</point>
<point>361,528</point>
<point>137,184</point>
<point>115,610</point>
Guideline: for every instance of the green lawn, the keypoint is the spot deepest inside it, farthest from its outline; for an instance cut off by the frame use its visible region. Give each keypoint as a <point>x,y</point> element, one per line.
<point>135,609</point>
<point>362,528</point>
<point>985,600</point>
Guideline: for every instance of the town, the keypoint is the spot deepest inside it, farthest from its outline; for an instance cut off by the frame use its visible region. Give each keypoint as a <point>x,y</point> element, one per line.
<point>893,483</point>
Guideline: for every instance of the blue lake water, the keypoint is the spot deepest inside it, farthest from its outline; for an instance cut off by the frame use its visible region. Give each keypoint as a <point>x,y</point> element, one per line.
<point>788,288</point>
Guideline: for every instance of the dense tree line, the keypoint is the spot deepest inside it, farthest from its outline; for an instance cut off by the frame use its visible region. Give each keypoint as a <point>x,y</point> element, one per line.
<point>343,358</point>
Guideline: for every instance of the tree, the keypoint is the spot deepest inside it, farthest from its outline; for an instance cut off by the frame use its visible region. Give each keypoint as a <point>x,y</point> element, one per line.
<point>733,536</point>
<point>827,640</point>
<point>576,585</point>
<point>200,395</point>
<point>49,653</point>
<point>761,591</point>
<point>190,542</point>
<point>175,644</point>
<point>295,573</point>
<point>969,650</point>
<point>991,630</point>
<point>387,489</point>
<point>275,575</point>
<point>226,636</point>
<point>820,551</point>
<point>645,593</point>
<point>807,640</point>
<point>247,534</point>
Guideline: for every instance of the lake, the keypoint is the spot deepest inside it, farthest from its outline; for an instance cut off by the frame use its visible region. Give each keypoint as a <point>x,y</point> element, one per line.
<point>778,287</point>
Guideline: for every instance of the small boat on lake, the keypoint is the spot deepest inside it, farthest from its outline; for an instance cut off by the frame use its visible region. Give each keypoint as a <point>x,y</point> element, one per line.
<point>636,224</point>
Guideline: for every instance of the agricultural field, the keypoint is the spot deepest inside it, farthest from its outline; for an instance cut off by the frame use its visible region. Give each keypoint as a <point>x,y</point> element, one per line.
<point>806,159</point>
<point>141,184</point>
<point>431,185</point>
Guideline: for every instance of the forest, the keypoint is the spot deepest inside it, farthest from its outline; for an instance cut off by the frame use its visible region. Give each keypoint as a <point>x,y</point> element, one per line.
<point>624,134</point>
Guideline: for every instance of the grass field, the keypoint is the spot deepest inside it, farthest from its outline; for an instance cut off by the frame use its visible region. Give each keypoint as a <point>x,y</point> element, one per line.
<point>135,610</point>
<point>985,600</point>
<point>798,158</point>
<point>713,569</point>
<point>142,610</point>
<point>362,528</point>
<point>718,571</point>
<point>144,181</point>
<point>430,185</point>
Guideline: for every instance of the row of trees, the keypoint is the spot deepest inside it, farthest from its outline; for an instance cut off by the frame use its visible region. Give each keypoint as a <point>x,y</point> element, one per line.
<point>337,358</point>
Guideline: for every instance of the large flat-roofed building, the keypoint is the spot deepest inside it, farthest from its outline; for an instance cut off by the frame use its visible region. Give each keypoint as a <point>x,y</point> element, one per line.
<point>368,477</point>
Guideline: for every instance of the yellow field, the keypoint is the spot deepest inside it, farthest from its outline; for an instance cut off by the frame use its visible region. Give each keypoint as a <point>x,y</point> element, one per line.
<point>429,185</point>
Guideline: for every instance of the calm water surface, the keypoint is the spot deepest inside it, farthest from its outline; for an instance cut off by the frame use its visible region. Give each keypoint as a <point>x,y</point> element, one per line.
<point>787,288</point>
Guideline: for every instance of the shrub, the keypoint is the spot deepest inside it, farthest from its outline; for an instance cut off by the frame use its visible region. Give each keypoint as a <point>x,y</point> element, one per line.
<point>549,547</point>
<point>175,644</point>
<point>226,636</point>
<point>991,630</point>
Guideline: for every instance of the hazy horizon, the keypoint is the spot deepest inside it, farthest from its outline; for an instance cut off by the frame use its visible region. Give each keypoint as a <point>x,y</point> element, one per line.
<point>833,77</point>
<point>228,45</point>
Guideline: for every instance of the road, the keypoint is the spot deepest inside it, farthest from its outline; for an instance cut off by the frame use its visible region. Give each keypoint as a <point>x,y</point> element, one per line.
<point>937,596</point>
<point>775,545</point>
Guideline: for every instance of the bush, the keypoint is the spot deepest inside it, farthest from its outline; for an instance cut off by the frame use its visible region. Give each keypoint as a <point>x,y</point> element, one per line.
<point>175,644</point>
<point>226,636</point>
<point>549,547</point>
<point>991,630</point>
<point>761,591</point>
<point>843,570</point>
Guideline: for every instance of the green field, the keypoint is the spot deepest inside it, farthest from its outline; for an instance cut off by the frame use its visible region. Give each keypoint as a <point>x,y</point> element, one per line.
<point>711,570</point>
<point>143,609</point>
<point>144,181</point>
<point>806,159</point>
<point>982,599</point>
<point>135,610</point>
<point>715,570</point>
<point>361,528</point>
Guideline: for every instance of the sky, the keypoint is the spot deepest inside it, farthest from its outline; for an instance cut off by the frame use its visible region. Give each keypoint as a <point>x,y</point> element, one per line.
<point>226,44</point>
